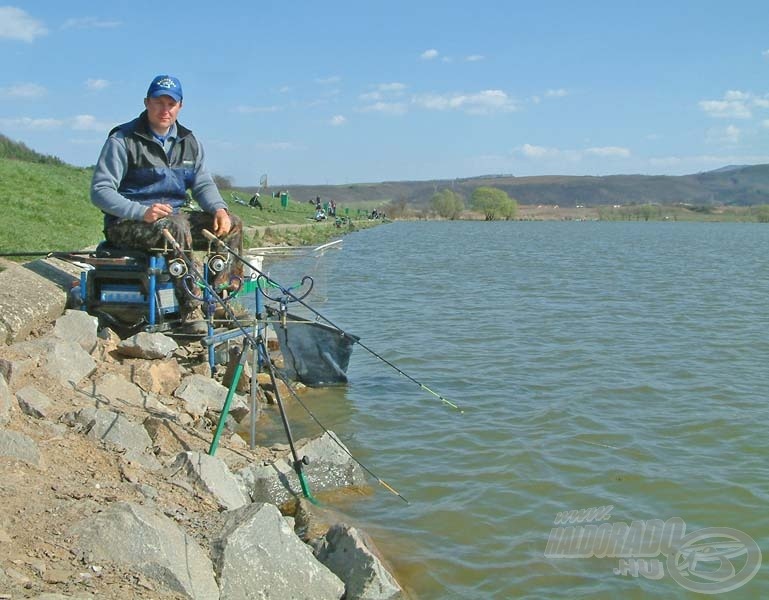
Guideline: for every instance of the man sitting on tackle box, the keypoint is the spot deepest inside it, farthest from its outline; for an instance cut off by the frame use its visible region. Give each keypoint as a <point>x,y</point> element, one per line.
<point>141,180</point>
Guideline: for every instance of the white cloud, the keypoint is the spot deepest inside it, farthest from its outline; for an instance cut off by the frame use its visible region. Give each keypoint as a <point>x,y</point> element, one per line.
<point>383,90</point>
<point>16,24</point>
<point>734,105</point>
<point>725,109</point>
<point>609,151</point>
<point>389,108</point>
<point>89,123</point>
<point>23,90</point>
<point>736,95</point>
<point>483,102</point>
<point>337,120</point>
<point>559,93</point>
<point>89,23</point>
<point>78,123</point>
<point>538,151</point>
<point>371,96</point>
<point>27,123</point>
<point>548,153</point>
<point>96,84</point>
<point>430,54</point>
<point>474,57</point>
<point>729,135</point>
<point>394,87</point>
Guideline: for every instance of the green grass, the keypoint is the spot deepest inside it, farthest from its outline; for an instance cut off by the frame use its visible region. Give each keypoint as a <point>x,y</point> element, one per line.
<point>47,207</point>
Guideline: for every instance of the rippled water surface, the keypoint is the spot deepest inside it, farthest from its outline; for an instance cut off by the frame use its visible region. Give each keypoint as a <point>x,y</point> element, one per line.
<point>597,364</point>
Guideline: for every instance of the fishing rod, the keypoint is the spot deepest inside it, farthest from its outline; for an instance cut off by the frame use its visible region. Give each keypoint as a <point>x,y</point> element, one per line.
<point>381,482</point>
<point>255,343</point>
<point>219,337</point>
<point>48,253</point>
<point>287,292</point>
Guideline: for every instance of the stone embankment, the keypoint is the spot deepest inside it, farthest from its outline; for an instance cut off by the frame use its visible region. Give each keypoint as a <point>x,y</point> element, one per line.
<point>107,489</point>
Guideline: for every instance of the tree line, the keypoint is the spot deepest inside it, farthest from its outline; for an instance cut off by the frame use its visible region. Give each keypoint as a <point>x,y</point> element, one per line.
<point>492,202</point>
<point>19,151</point>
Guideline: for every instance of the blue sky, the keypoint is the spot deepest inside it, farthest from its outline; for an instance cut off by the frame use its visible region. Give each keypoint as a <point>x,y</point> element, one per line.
<point>342,92</point>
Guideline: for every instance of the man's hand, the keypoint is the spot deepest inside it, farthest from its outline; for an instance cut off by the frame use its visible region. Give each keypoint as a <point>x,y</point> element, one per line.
<point>156,212</point>
<point>222,223</point>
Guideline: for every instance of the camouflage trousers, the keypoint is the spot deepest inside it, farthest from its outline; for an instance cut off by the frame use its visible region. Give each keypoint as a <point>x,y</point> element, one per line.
<point>187,231</point>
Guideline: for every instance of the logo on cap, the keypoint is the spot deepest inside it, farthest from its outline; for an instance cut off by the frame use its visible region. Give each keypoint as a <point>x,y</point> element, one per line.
<point>165,85</point>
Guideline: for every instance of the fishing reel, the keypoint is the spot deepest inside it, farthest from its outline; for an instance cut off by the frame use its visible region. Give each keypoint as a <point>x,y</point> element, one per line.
<point>177,268</point>
<point>217,263</point>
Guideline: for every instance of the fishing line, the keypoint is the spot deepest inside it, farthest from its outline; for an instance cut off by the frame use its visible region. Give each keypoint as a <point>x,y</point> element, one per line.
<point>287,292</point>
<point>332,435</point>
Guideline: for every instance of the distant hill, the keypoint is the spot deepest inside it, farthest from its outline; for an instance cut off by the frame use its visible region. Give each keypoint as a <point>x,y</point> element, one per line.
<point>730,186</point>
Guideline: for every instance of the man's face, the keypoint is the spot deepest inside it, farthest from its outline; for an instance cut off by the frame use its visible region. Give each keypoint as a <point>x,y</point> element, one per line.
<point>162,112</point>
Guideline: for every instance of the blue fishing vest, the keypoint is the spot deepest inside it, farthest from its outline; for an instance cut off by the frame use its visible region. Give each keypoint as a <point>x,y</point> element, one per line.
<point>152,176</point>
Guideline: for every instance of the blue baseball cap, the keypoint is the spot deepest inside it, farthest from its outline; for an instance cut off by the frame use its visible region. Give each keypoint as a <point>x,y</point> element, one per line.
<point>165,85</point>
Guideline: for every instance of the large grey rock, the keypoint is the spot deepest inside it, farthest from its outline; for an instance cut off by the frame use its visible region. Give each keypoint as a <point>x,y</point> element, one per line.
<point>258,556</point>
<point>79,327</point>
<point>147,345</point>
<point>143,540</point>
<point>18,446</point>
<point>211,475</point>
<point>33,402</point>
<point>330,467</point>
<point>27,301</point>
<point>6,400</point>
<point>109,426</point>
<point>14,365</point>
<point>352,556</point>
<point>67,361</point>
<point>200,393</point>
<point>118,390</point>
<point>61,360</point>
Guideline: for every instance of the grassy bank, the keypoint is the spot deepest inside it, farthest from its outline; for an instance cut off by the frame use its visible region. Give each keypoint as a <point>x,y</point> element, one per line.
<point>46,207</point>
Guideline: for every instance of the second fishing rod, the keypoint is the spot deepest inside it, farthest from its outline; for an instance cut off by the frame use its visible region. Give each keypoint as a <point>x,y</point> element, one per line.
<point>257,344</point>
<point>300,299</point>
<point>253,337</point>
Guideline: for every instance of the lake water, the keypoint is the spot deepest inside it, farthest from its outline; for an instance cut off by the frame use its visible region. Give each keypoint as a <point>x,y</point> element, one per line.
<point>597,364</point>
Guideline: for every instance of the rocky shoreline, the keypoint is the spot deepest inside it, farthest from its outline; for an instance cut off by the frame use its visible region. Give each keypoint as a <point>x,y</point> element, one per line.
<point>107,489</point>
